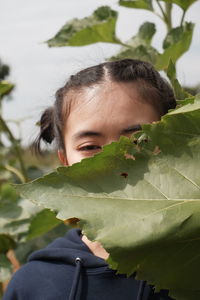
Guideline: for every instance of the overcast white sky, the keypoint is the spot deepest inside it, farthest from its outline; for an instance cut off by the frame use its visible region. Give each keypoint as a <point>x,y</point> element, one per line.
<point>38,71</point>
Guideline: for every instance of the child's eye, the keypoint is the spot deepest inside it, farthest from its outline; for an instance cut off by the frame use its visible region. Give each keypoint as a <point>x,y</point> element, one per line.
<point>89,148</point>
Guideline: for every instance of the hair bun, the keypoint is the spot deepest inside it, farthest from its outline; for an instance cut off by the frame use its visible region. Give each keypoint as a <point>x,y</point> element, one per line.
<point>47,125</point>
<point>47,133</point>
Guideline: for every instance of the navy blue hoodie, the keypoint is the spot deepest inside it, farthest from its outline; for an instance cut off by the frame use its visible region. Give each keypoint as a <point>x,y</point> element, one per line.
<point>68,270</point>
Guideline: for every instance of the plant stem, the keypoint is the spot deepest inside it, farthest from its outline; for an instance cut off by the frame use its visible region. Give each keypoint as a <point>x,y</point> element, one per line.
<point>159,16</point>
<point>14,261</point>
<point>4,285</point>
<point>168,10</point>
<point>15,266</point>
<point>182,19</point>
<point>162,11</point>
<point>16,172</point>
<point>16,147</point>
<point>125,45</point>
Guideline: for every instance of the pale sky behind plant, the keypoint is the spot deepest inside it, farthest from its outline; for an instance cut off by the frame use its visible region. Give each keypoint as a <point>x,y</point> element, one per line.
<point>38,71</point>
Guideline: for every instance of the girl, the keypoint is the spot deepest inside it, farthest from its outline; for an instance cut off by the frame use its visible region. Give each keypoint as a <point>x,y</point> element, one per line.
<point>95,107</point>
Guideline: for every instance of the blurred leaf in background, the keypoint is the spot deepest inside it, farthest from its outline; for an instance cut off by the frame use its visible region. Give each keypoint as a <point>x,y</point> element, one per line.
<point>99,27</point>
<point>139,46</point>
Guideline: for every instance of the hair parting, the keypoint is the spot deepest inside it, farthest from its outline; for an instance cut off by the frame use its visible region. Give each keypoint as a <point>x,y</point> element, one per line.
<point>151,86</point>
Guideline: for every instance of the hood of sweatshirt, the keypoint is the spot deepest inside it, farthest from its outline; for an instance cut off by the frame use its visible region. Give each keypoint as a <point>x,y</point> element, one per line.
<point>67,249</point>
<point>86,276</point>
<point>71,250</point>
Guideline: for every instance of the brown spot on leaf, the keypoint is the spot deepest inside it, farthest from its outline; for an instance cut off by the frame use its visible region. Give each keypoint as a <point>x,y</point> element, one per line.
<point>125,175</point>
<point>156,150</point>
<point>71,221</point>
<point>129,156</point>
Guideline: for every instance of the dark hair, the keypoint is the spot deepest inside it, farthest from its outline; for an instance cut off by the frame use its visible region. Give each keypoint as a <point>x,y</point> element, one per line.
<point>150,85</point>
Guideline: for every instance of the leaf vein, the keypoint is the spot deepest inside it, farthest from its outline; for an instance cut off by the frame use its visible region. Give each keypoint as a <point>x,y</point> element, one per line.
<point>184,176</point>
<point>155,187</point>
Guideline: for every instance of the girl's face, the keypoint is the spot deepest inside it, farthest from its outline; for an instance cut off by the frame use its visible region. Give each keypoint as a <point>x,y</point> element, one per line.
<point>99,115</point>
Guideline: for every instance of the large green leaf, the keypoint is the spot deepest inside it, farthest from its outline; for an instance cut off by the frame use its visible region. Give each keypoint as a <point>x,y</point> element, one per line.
<point>99,27</point>
<point>139,46</point>
<point>176,44</point>
<point>142,4</point>
<point>184,4</point>
<point>140,200</point>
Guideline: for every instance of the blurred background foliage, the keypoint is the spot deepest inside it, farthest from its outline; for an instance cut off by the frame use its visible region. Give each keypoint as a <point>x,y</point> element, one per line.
<point>23,226</point>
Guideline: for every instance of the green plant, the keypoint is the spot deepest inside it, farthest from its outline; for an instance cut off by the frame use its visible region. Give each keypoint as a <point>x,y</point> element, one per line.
<point>23,226</point>
<point>101,27</point>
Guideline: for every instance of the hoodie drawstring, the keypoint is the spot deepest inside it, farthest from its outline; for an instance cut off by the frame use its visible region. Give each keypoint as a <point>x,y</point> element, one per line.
<point>141,290</point>
<point>76,279</point>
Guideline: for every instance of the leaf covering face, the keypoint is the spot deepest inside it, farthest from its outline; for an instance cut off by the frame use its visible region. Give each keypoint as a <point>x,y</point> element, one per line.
<point>147,220</point>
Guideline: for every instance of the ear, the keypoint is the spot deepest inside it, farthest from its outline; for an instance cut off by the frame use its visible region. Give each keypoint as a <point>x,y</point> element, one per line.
<point>62,157</point>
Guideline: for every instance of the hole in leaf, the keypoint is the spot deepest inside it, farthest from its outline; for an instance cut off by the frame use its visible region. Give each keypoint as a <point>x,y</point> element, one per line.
<point>125,175</point>
<point>135,141</point>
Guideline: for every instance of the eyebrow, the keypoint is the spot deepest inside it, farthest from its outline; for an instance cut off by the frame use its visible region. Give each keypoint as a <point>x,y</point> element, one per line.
<point>86,133</point>
<point>90,133</point>
<point>131,129</point>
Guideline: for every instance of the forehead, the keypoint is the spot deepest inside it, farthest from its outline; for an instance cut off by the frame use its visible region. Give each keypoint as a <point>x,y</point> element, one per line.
<point>108,104</point>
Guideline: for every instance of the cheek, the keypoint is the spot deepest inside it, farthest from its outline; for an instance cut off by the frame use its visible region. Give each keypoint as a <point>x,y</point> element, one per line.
<point>73,156</point>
